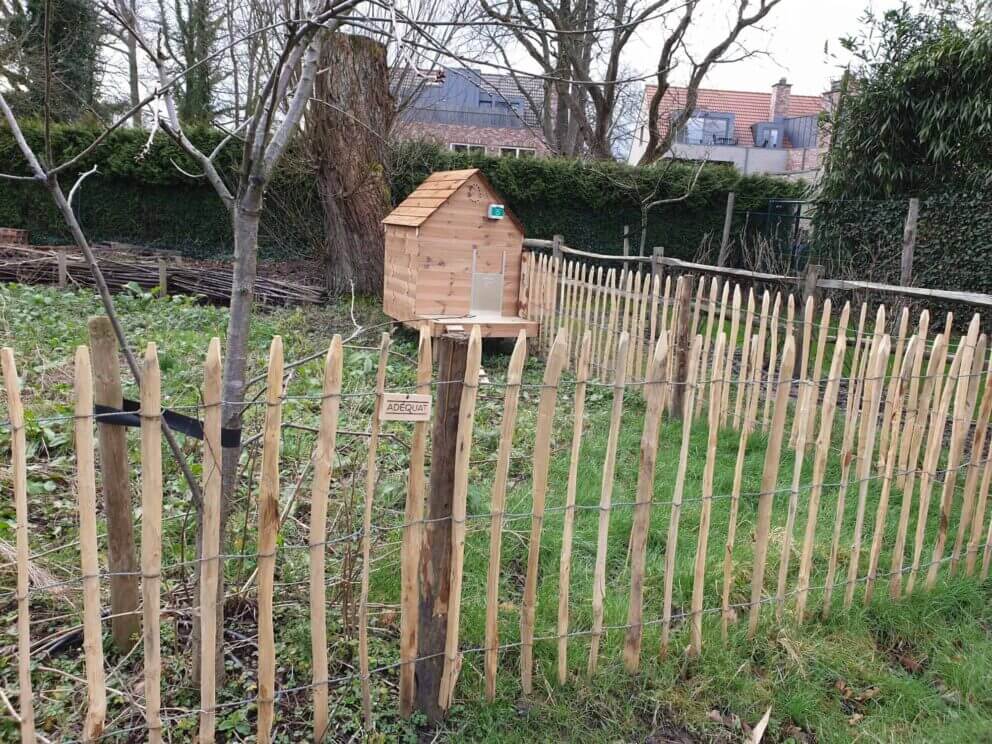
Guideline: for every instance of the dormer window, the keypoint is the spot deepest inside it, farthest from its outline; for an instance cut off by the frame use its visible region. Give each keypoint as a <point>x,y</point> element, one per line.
<point>708,128</point>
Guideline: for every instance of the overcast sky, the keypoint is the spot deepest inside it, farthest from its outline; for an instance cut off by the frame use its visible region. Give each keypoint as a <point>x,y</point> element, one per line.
<point>794,36</point>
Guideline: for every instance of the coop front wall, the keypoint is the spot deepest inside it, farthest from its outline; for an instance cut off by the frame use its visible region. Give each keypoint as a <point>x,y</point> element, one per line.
<point>400,272</point>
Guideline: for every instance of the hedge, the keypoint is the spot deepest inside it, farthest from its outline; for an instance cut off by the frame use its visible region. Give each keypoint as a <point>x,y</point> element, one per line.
<point>953,238</point>
<point>140,196</point>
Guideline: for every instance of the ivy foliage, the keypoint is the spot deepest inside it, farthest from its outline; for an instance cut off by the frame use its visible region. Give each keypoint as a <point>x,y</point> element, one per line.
<point>916,121</point>
<point>150,195</point>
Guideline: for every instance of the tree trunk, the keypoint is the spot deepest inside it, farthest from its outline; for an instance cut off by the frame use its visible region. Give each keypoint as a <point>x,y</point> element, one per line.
<point>245,226</point>
<point>347,139</point>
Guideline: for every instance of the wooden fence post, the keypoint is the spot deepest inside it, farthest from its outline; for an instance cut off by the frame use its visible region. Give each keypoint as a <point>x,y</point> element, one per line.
<point>728,219</point>
<point>210,547</point>
<point>18,451</point>
<point>63,269</point>
<point>811,276</point>
<point>657,267</point>
<point>371,476</point>
<point>681,341</point>
<point>122,557</point>
<point>323,469</point>
<point>459,507</point>
<point>909,242</point>
<point>268,528</point>
<point>557,254</point>
<point>96,692</point>
<point>163,277</point>
<point>626,240</point>
<point>497,505</point>
<point>435,551</point>
<point>151,537</point>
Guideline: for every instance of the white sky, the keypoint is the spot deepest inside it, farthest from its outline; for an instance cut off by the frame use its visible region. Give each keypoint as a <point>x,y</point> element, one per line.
<point>794,36</point>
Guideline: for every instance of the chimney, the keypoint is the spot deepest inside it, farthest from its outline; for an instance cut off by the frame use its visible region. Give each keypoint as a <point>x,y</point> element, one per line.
<point>778,107</point>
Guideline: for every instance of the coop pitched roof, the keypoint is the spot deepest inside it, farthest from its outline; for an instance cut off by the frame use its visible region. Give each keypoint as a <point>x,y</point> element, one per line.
<point>432,194</point>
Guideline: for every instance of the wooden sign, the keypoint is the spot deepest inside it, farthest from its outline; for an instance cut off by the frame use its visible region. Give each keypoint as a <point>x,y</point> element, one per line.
<point>405,407</point>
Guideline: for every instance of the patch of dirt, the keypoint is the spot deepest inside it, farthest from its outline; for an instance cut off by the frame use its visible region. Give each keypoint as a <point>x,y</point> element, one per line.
<point>671,733</point>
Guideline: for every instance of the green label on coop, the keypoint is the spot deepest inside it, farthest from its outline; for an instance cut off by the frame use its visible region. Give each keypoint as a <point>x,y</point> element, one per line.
<point>497,211</point>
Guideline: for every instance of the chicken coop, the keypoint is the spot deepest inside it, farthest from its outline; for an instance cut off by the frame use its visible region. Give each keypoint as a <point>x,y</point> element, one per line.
<point>453,257</point>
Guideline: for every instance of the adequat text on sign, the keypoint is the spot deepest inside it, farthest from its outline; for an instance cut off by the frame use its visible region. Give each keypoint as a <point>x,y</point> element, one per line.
<point>405,407</point>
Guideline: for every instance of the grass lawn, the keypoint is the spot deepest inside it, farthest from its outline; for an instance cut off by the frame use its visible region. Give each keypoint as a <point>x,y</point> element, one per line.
<point>919,669</point>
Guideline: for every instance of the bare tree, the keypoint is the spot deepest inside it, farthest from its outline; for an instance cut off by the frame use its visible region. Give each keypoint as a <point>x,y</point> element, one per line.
<point>673,49</point>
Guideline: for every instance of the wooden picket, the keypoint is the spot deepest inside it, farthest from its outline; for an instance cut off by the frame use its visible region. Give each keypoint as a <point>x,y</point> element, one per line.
<point>743,364</point>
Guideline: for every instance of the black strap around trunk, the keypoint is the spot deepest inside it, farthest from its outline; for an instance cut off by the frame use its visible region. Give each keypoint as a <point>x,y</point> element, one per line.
<point>191,427</point>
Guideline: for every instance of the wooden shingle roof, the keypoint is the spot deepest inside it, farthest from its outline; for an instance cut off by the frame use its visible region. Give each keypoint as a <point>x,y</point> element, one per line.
<point>432,194</point>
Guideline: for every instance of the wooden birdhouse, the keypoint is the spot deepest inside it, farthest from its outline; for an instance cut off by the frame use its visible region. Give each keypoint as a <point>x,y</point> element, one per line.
<point>453,254</point>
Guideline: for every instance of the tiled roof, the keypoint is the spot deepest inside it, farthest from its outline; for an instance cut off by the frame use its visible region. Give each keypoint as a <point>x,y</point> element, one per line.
<point>748,107</point>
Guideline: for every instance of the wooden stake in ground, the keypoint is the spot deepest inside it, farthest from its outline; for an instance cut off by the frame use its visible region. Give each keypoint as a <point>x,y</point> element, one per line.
<point>568,527</point>
<point>959,431</point>
<point>605,504</point>
<point>819,468</point>
<point>702,542</point>
<point>323,471</point>
<point>413,530</point>
<point>980,455</point>
<point>210,549</point>
<point>881,513</point>
<point>854,382</point>
<point>511,400</point>
<point>912,411</point>
<point>728,365</point>
<point>371,476</point>
<point>866,446</point>
<point>803,412</point>
<point>122,555</point>
<point>772,359</point>
<point>542,453</point>
<point>754,388</point>
<point>743,384</point>
<point>18,456</point>
<point>268,528</point>
<point>926,399</point>
<point>930,460</point>
<point>435,551</point>
<point>653,396</point>
<point>459,511</point>
<point>151,537</point>
<point>769,482</point>
<point>681,340</point>
<point>671,543</point>
<point>96,693</point>
<point>735,499</point>
<point>975,464</point>
<point>894,381</point>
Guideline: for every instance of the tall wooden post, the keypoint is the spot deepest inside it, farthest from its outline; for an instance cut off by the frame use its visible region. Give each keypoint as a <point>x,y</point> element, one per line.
<point>681,344</point>
<point>557,241</point>
<point>63,269</point>
<point>626,240</point>
<point>122,556</point>
<point>909,242</point>
<point>163,278</point>
<point>728,219</point>
<point>435,551</point>
<point>811,277</point>
<point>657,267</point>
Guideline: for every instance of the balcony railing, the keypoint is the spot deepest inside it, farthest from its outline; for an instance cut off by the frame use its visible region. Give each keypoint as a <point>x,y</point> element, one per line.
<point>708,140</point>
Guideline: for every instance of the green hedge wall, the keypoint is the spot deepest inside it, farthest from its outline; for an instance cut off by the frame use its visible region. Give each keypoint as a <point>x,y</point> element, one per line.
<point>953,238</point>
<point>141,197</point>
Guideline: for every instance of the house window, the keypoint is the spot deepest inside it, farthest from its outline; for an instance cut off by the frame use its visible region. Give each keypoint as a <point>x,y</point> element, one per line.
<point>707,129</point>
<point>471,149</point>
<point>517,152</point>
<point>485,99</point>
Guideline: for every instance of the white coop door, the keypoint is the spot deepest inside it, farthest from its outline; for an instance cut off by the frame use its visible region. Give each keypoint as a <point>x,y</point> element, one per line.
<point>487,288</point>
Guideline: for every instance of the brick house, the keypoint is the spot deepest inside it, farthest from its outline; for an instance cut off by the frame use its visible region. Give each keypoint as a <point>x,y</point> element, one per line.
<point>773,133</point>
<point>471,111</point>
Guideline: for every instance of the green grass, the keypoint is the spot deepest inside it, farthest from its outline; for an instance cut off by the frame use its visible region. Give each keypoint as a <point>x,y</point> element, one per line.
<point>918,669</point>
